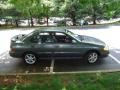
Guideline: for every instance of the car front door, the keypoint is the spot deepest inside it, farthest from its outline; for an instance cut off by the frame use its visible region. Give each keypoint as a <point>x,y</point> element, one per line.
<point>67,46</point>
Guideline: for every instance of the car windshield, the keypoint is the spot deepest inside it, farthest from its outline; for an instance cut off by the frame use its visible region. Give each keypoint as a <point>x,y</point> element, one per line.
<point>69,32</point>
<point>73,34</point>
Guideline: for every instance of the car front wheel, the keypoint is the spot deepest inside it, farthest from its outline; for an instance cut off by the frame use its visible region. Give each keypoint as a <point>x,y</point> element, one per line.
<point>91,57</point>
<point>30,58</point>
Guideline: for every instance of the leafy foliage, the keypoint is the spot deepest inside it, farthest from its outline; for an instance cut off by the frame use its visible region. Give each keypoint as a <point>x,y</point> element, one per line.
<point>74,9</point>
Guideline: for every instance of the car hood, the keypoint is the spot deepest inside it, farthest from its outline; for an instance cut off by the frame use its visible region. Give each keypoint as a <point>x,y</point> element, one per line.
<point>91,40</point>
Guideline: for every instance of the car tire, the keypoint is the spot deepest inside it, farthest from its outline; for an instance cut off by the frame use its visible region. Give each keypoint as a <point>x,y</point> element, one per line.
<point>30,58</point>
<point>92,57</point>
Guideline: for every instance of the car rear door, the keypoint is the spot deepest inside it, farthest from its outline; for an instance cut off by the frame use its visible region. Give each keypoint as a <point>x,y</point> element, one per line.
<point>43,44</point>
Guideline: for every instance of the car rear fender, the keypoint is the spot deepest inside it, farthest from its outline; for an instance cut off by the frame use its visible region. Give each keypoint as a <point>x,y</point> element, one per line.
<point>30,52</point>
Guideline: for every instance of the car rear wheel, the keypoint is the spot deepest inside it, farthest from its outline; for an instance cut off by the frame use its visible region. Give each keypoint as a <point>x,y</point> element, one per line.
<point>30,58</point>
<point>92,57</point>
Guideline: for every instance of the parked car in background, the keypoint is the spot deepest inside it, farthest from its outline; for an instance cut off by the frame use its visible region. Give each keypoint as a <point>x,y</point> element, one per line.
<point>56,43</point>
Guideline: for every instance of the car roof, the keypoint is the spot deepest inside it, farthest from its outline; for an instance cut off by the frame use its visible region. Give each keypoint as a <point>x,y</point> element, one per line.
<point>50,30</point>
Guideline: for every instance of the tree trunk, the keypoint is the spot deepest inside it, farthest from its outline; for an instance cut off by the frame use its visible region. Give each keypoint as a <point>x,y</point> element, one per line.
<point>47,14</point>
<point>94,19</point>
<point>16,23</point>
<point>94,16</point>
<point>47,20</point>
<point>73,18</point>
<point>6,22</point>
<point>31,19</point>
<point>74,21</point>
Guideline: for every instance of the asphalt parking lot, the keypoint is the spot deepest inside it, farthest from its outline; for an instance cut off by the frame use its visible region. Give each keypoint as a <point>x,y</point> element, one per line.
<point>14,65</point>
<point>9,65</point>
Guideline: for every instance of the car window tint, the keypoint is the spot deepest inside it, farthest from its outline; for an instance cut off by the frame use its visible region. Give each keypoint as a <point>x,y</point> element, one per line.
<point>63,38</point>
<point>44,33</point>
<point>47,37</point>
<point>60,34</point>
<point>35,39</point>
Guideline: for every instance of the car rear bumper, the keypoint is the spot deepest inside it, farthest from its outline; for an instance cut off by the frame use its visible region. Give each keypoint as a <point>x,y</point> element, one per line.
<point>14,54</point>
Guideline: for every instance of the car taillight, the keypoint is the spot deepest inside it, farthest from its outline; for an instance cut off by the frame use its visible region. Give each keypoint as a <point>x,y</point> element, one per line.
<point>12,49</point>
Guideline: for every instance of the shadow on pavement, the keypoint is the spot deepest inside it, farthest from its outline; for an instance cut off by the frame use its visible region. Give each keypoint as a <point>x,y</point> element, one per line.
<point>75,65</point>
<point>14,65</point>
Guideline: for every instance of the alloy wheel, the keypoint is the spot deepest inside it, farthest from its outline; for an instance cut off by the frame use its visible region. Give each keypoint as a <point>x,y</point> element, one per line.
<point>92,57</point>
<point>30,58</point>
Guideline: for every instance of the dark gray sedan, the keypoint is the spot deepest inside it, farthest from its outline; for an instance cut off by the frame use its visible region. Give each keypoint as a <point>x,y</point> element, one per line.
<point>56,43</point>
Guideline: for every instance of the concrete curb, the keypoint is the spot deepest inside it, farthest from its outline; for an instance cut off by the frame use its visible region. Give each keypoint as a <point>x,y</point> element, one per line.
<point>60,73</point>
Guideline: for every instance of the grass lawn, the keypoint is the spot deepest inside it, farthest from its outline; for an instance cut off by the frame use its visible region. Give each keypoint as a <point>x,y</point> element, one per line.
<point>88,81</point>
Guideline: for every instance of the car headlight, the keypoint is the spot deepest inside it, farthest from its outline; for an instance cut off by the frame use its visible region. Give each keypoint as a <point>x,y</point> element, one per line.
<point>106,48</point>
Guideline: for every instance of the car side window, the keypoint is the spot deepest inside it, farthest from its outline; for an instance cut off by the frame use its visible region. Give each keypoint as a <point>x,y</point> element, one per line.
<point>35,39</point>
<point>51,37</point>
<point>63,38</point>
<point>47,37</point>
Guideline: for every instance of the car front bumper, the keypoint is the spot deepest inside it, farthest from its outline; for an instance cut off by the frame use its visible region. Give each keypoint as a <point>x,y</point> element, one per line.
<point>104,53</point>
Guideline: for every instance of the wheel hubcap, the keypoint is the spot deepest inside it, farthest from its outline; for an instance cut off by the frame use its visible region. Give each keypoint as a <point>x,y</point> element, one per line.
<point>30,58</point>
<point>92,57</point>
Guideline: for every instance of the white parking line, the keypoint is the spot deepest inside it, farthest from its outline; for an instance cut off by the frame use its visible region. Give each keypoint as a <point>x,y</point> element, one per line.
<point>114,58</point>
<point>3,54</point>
<point>52,66</point>
<point>117,51</point>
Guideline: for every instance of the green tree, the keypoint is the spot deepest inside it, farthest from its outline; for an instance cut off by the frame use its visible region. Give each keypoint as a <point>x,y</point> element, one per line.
<point>33,8</point>
<point>13,15</point>
<point>112,8</point>
<point>71,9</point>
<point>38,10</point>
<point>93,9</point>
<point>58,8</point>
<point>97,9</point>
<point>5,7</point>
<point>74,9</point>
<point>28,8</point>
<point>47,6</point>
